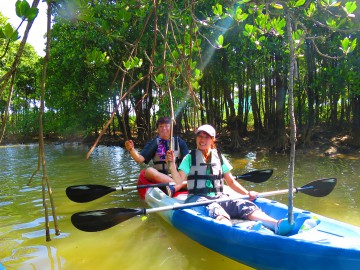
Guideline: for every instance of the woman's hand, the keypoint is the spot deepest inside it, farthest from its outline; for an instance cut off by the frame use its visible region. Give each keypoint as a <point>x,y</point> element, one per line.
<point>253,195</point>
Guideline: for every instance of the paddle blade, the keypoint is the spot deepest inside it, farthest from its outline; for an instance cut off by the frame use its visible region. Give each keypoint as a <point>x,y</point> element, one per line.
<point>319,188</point>
<point>87,193</point>
<point>99,220</point>
<point>257,176</point>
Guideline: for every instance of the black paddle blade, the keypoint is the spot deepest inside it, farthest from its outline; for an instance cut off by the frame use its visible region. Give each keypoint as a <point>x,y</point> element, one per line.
<point>87,193</point>
<point>99,220</point>
<point>319,188</point>
<point>258,176</point>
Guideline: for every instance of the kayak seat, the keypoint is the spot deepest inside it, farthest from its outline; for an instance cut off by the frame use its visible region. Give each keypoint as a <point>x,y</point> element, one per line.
<point>181,193</point>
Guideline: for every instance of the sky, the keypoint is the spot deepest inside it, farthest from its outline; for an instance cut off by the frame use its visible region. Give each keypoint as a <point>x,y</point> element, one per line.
<point>37,31</point>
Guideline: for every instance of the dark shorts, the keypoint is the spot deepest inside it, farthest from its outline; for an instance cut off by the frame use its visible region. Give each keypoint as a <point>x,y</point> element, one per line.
<point>239,209</point>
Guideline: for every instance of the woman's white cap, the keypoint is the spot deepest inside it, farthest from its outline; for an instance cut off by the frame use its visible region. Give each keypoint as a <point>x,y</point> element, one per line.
<point>208,129</point>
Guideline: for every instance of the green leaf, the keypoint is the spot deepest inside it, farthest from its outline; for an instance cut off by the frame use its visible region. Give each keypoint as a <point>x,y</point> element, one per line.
<point>31,13</point>
<point>24,11</point>
<point>159,78</point>
<point>350,7</point>
<point>331,22</point>
<point>195,85</point>
<point>297,36</point>
<point>2,34</point>
<point>86,17</point>
<point>136,62</point>
<point>220,40</point>
<point>198,74</point>
<point>345,44</point>
<point>97,58</point>
<point>299,3</point>
<point>127,64</point>
<point>133,63</point>
<point>124,15</point>
<point>217,9</point>
<point>193,65</point>
<point>277,6</point>
<point>335,4</point>
<point>22,7</point>
<point>240,15</point>
<point>278,25</point>
<point>10,33</point>
<point>311,10</point>
<point>262,38</point>
<point>250,30</point>
<point>353,45</point>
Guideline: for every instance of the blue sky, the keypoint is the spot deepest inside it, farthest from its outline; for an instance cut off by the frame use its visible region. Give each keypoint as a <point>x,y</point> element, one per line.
<point>38,30</point>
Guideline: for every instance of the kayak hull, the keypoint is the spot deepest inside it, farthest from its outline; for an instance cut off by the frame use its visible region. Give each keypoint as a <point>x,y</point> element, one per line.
<point>330,244</point>
<point>318,248</point>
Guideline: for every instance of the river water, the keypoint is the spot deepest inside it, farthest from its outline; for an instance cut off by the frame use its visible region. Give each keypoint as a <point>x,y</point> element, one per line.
<point>138,243</point>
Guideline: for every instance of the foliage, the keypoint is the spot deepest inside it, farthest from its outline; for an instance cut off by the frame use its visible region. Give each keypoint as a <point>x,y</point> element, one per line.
<point>25,99</point>
<point>225,63</point>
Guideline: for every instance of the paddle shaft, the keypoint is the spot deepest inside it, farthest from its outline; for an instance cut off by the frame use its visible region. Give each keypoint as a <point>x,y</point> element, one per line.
<point>257,176</point>
<point>265,174</point>
<point>317,188</point>
<point>122,187</point>
<point>244,197</point>
<point>87,193</point>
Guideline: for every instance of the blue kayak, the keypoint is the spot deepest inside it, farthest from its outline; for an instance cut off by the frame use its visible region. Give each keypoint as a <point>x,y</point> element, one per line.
<point>316,242</point>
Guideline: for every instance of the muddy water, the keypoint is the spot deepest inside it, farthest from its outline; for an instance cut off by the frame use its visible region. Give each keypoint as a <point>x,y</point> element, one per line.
<point>137,243</point>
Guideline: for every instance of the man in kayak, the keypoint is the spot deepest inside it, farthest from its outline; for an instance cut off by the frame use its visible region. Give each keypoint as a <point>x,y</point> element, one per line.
<point>155,150</point>
<point>205,170</point>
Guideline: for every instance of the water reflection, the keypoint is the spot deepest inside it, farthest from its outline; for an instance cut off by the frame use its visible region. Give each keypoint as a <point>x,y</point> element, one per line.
<point>136,243</point>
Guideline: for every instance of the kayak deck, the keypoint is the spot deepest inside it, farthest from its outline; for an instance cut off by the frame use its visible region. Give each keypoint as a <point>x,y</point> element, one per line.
<point>328,244</point>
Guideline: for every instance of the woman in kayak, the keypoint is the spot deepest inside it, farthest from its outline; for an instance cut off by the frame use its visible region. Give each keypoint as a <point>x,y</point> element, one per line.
<point>205,170</point>
<point>155,150</point>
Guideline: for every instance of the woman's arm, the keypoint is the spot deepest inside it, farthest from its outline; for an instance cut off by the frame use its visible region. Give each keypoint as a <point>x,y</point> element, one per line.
<point>236,186</point>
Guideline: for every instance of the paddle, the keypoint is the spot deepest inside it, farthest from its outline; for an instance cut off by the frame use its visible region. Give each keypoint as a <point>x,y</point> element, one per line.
<point>88,193</point>
<point>98,220</point>
<point>258,176</point>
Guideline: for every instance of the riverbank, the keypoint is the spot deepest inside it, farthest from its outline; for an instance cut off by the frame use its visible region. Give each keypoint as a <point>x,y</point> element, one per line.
<point>323,142</point>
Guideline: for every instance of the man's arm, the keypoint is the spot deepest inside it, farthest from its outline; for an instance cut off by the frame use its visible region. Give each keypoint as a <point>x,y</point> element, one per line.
<point>129,145</point>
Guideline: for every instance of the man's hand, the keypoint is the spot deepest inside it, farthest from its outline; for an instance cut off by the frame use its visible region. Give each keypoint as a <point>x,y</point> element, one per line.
<point>129,145</point>
<point>170,156</point>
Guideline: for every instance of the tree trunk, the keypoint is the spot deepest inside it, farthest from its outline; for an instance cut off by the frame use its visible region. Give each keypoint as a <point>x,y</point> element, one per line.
<point>311,75</point>
<point>254,103</point>
<point>235,126</point>
<point>281,138</point>
<point>355,102</point>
